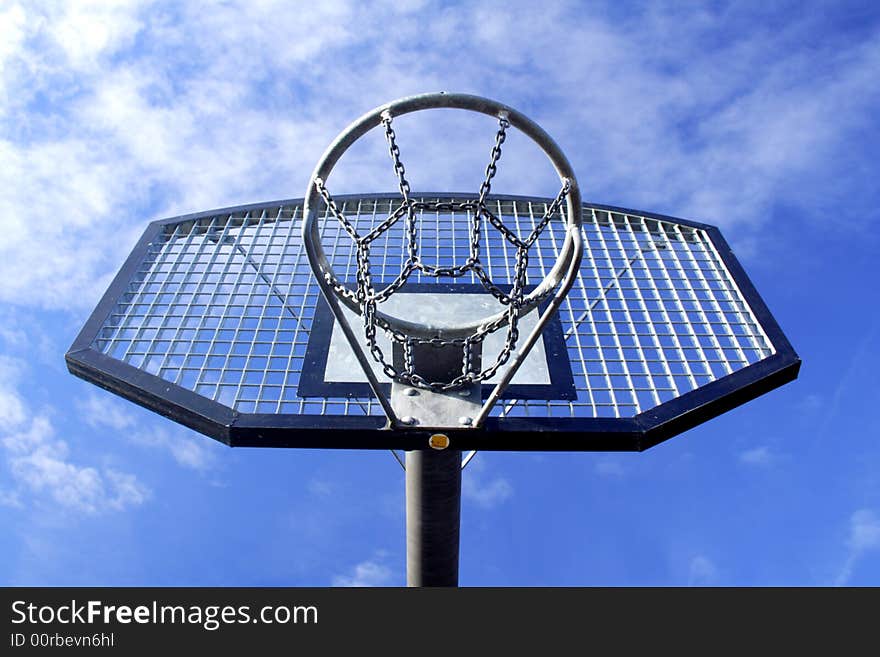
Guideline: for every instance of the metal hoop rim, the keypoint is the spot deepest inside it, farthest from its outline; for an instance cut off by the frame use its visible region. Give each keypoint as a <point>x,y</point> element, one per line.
<point>571,247</point>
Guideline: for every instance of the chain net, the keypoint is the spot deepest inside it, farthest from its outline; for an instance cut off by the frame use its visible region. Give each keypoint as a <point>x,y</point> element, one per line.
<point>368,298</point>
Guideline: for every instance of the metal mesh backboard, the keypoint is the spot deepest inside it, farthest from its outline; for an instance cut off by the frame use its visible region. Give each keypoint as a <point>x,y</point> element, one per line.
<point>216,321</point>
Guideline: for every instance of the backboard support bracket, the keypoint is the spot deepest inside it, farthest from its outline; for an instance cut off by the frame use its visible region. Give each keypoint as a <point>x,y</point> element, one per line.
<point>425,408</point>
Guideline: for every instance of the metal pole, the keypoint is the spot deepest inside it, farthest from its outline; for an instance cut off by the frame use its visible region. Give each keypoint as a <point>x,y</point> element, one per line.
<point>433,516</point>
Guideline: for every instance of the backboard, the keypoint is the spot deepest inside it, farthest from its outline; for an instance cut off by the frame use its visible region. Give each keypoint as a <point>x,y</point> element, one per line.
<point>216,321</point>
<point>434,323</point>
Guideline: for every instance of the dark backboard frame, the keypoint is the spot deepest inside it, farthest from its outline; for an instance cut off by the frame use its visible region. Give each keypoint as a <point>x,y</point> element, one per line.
<point>233,428</point>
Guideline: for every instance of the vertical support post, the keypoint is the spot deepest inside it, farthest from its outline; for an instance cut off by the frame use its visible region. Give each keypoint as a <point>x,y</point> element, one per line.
<point>433,517</point>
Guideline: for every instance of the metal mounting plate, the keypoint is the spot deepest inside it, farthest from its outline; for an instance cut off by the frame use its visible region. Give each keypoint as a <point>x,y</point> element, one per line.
<point>426,409</point>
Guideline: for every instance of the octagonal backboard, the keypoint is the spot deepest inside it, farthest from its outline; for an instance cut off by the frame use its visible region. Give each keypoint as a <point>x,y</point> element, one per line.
<point>216,321</point>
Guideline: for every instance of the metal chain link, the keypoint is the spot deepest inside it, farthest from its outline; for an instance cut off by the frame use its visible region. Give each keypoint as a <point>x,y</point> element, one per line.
<point>394,151</point>
<point>492,168</point>
<point>386,224</point>
<point>508,234</point>
<point>331,204</point>
<point>403,186</point>
<point>367,298</point>
<point>551,210</point>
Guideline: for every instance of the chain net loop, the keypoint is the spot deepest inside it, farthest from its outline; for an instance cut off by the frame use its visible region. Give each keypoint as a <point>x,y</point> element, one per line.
<point>368,298</point>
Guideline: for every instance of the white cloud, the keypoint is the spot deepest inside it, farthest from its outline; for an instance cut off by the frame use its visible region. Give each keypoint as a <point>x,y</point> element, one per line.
<point>487,495</point>
<point>188,449</point>
<point>115,114</point>
<point>367,573</point>
<point>810,404</point>
<point>12,22</point>
<point>485,492</point>
<point>12,406</point>
<point>25,334</point>
<point>10,499</point>
<point>127,490</point>
<point>702,571</point>
<point>52,196</point>
<point>89,29</point>
<point>321,487</point>
<point>40,464</point>
<point>189,453</point>
<point>864,537</point>
<point>864,531</point>
<point>100,410</point>
<point>758,456</point>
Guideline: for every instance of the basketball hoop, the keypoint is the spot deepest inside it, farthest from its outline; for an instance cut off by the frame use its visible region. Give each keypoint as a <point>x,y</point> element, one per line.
<point>451,398</point>
<point>216,321</point>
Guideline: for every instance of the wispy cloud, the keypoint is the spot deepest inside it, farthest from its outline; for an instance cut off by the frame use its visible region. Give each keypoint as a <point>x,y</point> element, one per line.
<point>702,571</point>
<point>41,466</point>
<point>100,410</point>
<point>321,487</point>
<point>810,404</point>
<point>186,448</point>
<point>10,499</point>
<point>373,572</point>
<point>859,367</point>
<point>484,491</point>
<point>864,537</point>
<point>760,457</point>
<point>12,406</point>
<point>24,334</point>
<point>113,113</point>
<point>610,469</point>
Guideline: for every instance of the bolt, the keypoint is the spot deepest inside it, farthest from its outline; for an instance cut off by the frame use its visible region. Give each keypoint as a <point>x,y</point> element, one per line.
<point>465,421</point>
<point>465,392</point>
<point>411,392</point>
<point>407,419</point>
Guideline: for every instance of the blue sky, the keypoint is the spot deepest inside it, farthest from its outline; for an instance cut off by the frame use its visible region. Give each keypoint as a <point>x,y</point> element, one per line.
<point>757,117</point>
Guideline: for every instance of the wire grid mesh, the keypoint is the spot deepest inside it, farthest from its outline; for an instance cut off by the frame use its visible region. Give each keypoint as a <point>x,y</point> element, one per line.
<point>223,305</point>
